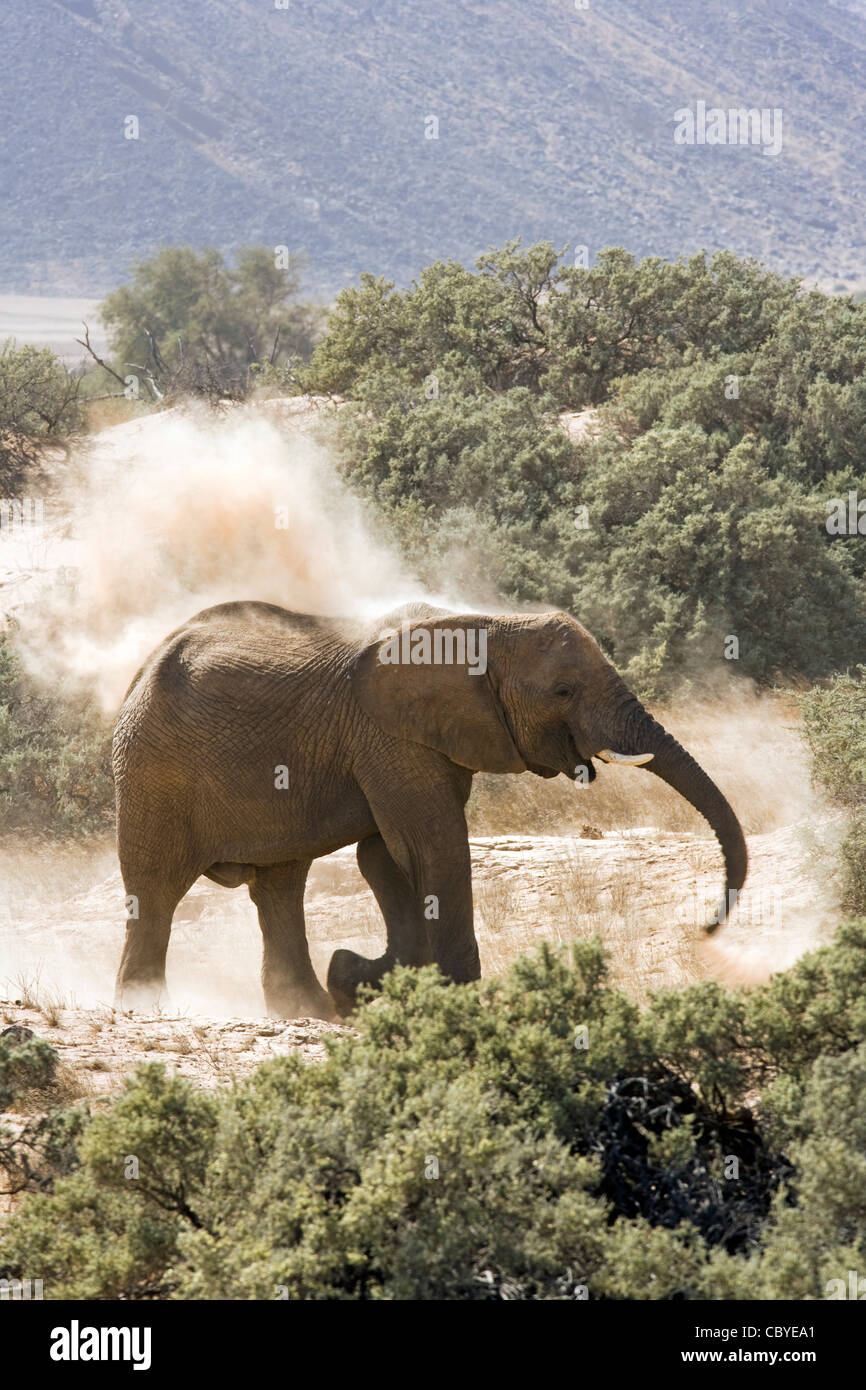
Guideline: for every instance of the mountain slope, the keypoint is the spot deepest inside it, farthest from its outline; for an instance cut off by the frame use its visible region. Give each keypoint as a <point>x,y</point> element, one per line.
<point>306,126</point>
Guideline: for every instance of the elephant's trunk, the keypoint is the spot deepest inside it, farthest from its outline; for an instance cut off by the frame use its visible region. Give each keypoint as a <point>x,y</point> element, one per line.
<point>678,768</point>
<point>640,733</point>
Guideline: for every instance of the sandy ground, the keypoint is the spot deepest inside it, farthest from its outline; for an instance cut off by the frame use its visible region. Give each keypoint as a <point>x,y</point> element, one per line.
<point>645,891</point>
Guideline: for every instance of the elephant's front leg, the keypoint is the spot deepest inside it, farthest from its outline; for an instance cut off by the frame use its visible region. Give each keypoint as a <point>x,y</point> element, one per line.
<point>421,876</point>
<point>289,981</point>
<point>407,939</point>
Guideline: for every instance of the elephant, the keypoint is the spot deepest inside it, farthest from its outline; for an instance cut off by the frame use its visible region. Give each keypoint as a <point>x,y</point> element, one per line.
<point>255,740</point>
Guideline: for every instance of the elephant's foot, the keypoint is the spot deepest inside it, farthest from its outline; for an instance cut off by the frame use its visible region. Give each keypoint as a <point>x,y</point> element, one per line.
<point>293,1003</point>
<point>347,972</point>
<point>139,996</point>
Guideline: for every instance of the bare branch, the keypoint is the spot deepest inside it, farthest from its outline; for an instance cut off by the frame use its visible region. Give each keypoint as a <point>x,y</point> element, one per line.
<point>85,343</point>
<point>155,352</point>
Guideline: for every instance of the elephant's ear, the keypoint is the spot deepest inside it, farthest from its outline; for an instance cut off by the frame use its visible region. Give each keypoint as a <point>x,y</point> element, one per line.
<point>431,682</point>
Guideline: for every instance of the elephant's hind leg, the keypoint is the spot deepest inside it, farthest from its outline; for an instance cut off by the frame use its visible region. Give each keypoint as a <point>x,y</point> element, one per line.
<point>150,903</point>
<point>289,981</point>
<point>407,937</point>
<point>158,865</point>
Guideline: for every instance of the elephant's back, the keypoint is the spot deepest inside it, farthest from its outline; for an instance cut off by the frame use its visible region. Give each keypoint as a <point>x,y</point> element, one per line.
<point>239,635</point>
<point>240,667</point>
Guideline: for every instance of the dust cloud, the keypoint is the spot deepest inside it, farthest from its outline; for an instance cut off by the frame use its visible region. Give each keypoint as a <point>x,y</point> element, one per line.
<point>156,519</point>
<point>170,514</point>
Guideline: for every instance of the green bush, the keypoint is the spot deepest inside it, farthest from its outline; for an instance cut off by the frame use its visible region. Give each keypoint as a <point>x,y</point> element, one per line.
<point>39,407</point>
<point>25,1066</point>
<point>523,319</point>
<point>525,1139</point>
<point>731,414</point>
<point>34,1153</point>
<point>834,721</point>
<point>55,771</point>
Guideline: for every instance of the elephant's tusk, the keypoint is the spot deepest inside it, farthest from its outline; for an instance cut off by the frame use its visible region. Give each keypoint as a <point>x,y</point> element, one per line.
<point>607,755</point>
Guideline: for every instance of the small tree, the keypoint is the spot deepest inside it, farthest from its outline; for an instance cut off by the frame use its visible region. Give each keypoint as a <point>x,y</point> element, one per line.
<point>39,406</point>
<point>188,323</point>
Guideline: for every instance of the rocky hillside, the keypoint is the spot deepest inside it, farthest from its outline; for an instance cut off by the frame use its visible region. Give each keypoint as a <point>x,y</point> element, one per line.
<point>308,124</point>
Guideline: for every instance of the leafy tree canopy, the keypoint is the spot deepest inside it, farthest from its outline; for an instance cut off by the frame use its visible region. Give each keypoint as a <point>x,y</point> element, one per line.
<point>190,315</point>
<point>728,415</point>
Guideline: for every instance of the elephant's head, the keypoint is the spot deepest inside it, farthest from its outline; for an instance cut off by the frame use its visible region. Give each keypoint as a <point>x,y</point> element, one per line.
<point>518,693</point>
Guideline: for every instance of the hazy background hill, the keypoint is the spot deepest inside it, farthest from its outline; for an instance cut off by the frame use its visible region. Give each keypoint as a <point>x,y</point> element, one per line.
<point>305,126</point>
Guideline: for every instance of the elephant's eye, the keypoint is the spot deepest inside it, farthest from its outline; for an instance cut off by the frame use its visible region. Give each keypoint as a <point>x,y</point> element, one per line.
<point>563,692</point>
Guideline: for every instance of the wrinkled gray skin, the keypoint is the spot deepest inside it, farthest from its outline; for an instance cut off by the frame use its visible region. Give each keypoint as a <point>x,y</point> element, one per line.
<point>378,754</point>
